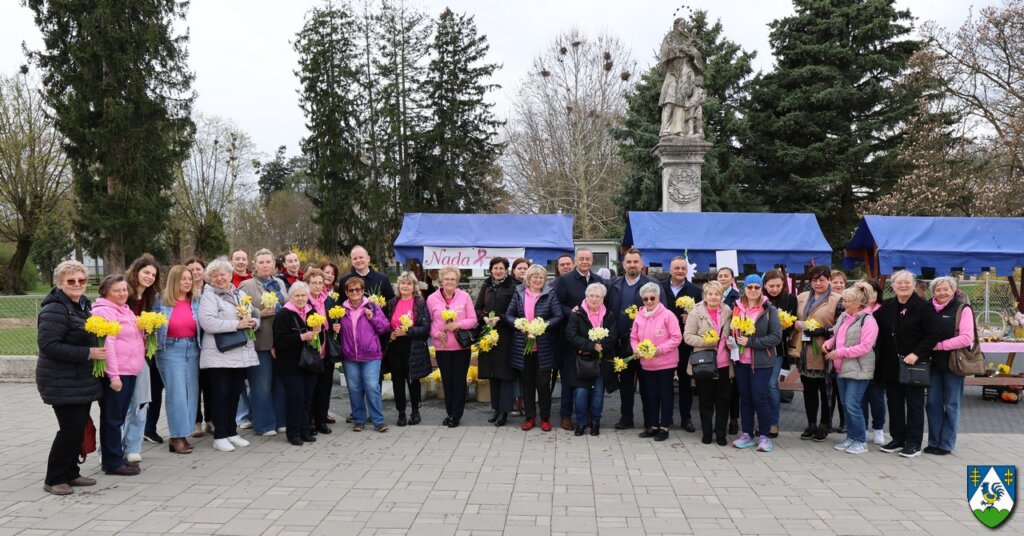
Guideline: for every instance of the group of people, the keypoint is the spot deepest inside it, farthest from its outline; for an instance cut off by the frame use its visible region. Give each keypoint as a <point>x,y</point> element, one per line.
<point>258,348</point>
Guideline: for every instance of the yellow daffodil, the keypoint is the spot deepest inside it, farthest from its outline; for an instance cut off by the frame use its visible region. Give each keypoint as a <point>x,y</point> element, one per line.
<point>686,303</point>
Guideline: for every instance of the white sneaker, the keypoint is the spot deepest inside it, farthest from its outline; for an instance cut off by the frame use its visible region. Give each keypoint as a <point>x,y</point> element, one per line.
<point>269,433</point>
<point>245,425</point>
<point>238,441</point>
<point>845,444</point>
<point>878,437</point>
<point>281,429</point>
<point>223,445</point>
<point>857,448</point>
<point>134,457</point>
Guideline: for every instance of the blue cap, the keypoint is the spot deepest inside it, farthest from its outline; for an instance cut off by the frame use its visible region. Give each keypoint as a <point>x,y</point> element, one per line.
<point>752,279</point>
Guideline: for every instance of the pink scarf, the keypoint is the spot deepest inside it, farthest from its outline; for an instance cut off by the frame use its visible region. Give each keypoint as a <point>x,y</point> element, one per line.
<point>595,318</point>
<point>291,307</point>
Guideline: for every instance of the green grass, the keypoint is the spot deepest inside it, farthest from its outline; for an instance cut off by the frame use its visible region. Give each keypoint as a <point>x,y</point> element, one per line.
<point>19,306</point>
<point>18,341</point>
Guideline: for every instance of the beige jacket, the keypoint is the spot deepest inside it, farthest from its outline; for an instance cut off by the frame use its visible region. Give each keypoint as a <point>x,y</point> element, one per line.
<point>825,314</point>
<point>698,323</point>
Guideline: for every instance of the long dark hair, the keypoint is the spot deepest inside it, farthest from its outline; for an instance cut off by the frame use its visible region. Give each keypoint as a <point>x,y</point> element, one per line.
<point>775,274</point>
<point>132,276</point>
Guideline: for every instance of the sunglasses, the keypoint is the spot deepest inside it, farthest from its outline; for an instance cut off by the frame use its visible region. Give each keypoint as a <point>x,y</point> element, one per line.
<point>76,282</point>
<point>354,290</point>
<point>650,299</point>
<point>753,287</point>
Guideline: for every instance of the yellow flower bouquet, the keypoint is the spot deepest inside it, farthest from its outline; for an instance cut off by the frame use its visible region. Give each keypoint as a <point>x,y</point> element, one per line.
<point>268,300</point>
<point>645,350</point>
<point>244,310</point>
<point>787,320</point>
<point>149,322</point>
<point>336,313</point>
<point>101,328</point>
<point>811,325</point>
<point>686,303</point>
<point>632,311</point>
<point>743,326</point>
<point>314,321</point>
<point>533,329</point>
<point>449,315</point>
<point>711,337</point>
<point>404,322</point>
<point>378,299</point>
<point>333,295</point>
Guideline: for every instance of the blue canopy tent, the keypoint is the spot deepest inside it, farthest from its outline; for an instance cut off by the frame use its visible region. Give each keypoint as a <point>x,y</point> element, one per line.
<point>887,243</point>
<point>763,240</point>
<point>545,236</point>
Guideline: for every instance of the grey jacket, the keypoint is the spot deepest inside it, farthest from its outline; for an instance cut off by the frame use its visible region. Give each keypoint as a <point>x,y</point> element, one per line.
<point>861,367</point>
<point>217,314</point>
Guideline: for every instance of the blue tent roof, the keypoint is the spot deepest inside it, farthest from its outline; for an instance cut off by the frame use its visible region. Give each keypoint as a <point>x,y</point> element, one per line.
<point>915,242</point>
<point>545,236</point>
<point>764,240</point>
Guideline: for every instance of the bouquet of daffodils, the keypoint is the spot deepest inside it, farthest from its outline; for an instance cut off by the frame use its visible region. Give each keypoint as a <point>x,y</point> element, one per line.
<point>336,313</point>
<point>710,337</point>
<point>333,295</point>
<point>787,320</point>
<point>101,328</point>
<point>489,338</point>
<point>449,315</point>
<point>268,300</point>
<point>598,335</point>
<point>686,303</point>
<point>632,311</point>
<point>744,326</point>
<point>645,350</point>
<point>315,320</point>
<point>378,299</point>
<point>244,310</point>
<point>811,325</point>
<point>149,322</point>
<point>404,322</point>
<point>533,329</point>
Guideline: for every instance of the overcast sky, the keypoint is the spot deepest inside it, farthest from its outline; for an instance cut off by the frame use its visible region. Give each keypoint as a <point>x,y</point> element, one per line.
<point>241,51</point>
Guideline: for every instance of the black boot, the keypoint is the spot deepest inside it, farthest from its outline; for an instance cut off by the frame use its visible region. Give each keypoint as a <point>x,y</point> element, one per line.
<point>401,419</point>
<point>502,419</point>
<point>493,417</point>
<point>595,429</point>
<point>415,417</point>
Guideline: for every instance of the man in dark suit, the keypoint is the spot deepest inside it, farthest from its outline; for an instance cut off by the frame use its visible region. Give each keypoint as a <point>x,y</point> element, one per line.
<point>571,288</point>
<point>622,292</point>
<point>672,289</point>
<point>375,282</point>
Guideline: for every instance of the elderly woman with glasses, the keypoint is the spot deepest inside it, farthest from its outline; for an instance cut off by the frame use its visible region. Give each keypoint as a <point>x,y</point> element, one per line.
<point>657,324</point>
<point>64,373</point>
<point>947,387</point>
<point>408,356</point>
<point>452,356</point>
<point>757,353</point>
<point>360,332</point>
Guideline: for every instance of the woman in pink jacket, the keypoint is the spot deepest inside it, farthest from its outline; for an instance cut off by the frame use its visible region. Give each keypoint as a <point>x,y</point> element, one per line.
<point>452,358</point>
<point>126,355</point>
<point>660,326</point>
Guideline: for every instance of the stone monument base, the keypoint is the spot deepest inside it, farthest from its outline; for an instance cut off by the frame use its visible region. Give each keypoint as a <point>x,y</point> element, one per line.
<point>681,161</point>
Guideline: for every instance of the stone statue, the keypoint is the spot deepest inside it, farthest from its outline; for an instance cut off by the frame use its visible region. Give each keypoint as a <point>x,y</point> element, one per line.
<point>682,93</point>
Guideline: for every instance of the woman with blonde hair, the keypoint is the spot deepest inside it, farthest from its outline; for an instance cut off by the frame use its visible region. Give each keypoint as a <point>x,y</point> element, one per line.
<point>177,356</point>
<point>451,354</point>
<point>712,316</point>
<point>851,351</point>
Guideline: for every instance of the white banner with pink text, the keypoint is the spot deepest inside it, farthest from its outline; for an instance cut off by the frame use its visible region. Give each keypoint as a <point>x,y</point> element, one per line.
<point>469,258</point>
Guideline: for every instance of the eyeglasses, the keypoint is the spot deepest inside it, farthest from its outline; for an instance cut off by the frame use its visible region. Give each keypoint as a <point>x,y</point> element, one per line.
<point>753,287</point>
<point>76,282</point>
<point>650,299</point>
<point>353,291</point>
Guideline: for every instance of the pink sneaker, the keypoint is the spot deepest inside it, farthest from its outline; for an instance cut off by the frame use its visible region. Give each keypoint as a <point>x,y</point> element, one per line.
<point>765,444</point>
<point>744,441</point>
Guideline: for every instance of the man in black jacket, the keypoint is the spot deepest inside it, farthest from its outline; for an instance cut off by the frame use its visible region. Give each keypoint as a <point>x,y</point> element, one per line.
<point>571,289</point>
<point>375,282</point>
<point>623,292</point>
<point>672,289</point>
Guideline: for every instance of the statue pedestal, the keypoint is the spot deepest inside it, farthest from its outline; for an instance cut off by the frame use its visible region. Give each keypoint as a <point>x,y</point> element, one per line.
<point>681,160</point>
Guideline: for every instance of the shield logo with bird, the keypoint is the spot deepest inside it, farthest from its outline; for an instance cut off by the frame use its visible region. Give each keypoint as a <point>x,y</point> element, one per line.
<point>991,492</point>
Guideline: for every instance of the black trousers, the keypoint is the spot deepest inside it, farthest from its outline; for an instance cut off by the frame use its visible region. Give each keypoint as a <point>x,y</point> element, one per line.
<point>714,402</point>
<point>835,401</point>
<point>453,365</point>
<point>536,387</point>
<point>657,385</point>
<point>298,394</point>
<point>734,401</point>
<point>816,401</point>
<point>685,391</point>
<point>398,361</point>
<point>628,380</point>
<point>225,389</point>
<point>156,389</point>
<point>906,413</point>
<point>62,465</point>
<point>322,394</point>
<point>502,394</point>
<point>205,406</point>
<point>113,410</point>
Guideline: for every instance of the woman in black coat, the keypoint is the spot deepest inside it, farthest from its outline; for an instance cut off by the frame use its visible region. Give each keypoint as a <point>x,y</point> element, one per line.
<point>774,284</point>
<point>536,367</point>
<point>588,392</point>
<point>908,331</point>
<point>407,354</point>
<point>64,373</point>
<point>290,334</point>
<point>495,295</point>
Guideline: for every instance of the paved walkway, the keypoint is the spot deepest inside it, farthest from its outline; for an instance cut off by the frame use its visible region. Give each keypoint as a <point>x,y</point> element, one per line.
<point>477,479</point>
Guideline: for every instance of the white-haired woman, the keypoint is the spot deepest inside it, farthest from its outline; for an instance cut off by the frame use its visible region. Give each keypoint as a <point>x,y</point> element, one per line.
<point>947,388</point>
<point>291,333</point>
<point>588,390</point>
<point>226,361</point>
<point>908,333</point>
<point>64,373</point>
<point>452,357</point>
<point>656,323</point>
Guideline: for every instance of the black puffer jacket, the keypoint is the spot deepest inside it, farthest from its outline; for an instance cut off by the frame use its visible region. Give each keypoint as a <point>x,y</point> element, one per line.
<point>494,298</point>
<point>418,353</point>
<point>64,370</point>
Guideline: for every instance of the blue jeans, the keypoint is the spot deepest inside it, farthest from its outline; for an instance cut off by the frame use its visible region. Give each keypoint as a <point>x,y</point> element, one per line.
<point>114,408</point>
<point>752,385</point>
<point>363,379</point>
<point>943,408</point>
<point>874,406</point>
<point>263,395</point>
<point>774,399</point>
<point>135,420</point>
<point>589,402</point>
<point>178,363</point>
<point>852,392</point>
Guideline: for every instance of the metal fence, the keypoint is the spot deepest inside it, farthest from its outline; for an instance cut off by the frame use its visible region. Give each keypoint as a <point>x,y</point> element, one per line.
<point>18,324</point>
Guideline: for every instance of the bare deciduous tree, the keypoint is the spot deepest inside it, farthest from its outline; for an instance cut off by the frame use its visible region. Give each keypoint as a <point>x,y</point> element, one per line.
<point>561,157</point>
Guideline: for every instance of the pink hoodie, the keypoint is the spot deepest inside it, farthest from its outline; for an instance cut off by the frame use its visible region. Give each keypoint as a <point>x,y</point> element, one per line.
<point>126,352</point>
<point>662,328</point>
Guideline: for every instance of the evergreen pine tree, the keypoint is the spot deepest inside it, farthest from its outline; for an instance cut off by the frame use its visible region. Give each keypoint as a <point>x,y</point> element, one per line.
<point>456,156</point>
<point>273,174</point>
<point>826,124</point>
<point>116,78</point>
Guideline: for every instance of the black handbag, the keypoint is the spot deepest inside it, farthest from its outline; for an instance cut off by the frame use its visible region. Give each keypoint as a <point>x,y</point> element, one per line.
<point>704,364</point>
<point>464,337</point>
<point>229,341</point>
<point>916,375</point>
<point>309,359</point>
<point>333,347</point>
<point>587,369</point>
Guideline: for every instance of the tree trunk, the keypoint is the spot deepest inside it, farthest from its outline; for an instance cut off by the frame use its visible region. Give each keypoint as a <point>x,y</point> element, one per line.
<point>12,281</point>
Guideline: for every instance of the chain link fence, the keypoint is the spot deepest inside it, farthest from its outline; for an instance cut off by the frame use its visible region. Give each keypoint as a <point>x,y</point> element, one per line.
<point>18,324</point>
